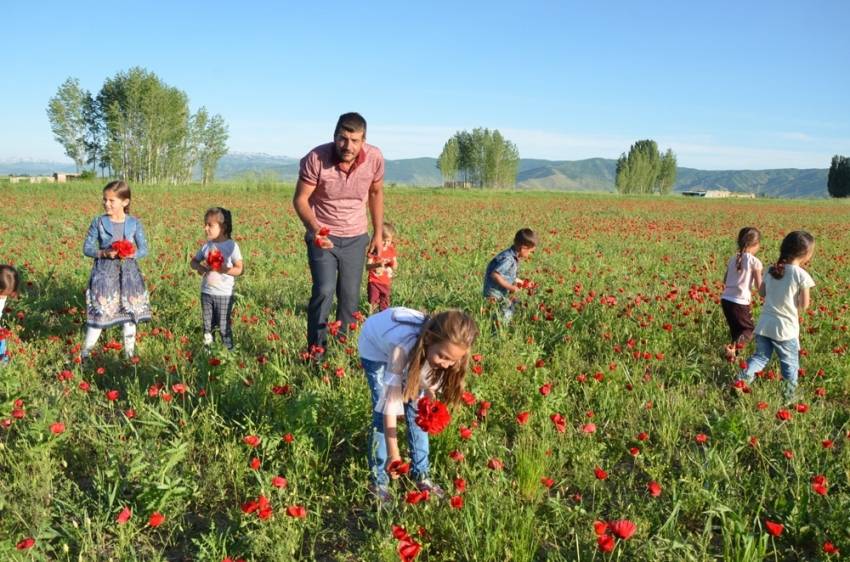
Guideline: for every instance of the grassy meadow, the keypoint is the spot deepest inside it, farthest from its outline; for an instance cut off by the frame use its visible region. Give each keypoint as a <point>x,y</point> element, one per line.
<point>616,358</point>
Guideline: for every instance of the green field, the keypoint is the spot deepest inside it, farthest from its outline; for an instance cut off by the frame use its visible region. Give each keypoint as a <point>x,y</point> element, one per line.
<point>625,325</point>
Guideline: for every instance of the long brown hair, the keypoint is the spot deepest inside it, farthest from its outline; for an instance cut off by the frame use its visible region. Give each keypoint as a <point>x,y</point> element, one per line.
<point>452,326</point>
<point>747,238</point>
<point>794,246</point>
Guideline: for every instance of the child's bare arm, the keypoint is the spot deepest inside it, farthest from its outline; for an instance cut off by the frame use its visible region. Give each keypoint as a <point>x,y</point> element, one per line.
<point>803,299</point>
<point>198,266</point>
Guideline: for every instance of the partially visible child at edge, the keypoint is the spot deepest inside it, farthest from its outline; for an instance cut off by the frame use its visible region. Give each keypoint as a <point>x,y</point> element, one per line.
<point>9,283</point>
<point>501,274</point>
<point>743,273</point>
<point>407,354</point>
<point>116,293</point>
<point>381,269</point>
<point>786,293</point>
<point>217,284</point>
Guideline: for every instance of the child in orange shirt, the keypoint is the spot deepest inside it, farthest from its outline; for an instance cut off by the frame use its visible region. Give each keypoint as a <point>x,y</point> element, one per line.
<point>381,269</point>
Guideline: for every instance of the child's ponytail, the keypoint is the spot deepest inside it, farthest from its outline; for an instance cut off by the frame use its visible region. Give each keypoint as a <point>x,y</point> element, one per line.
<point>748,237</point>
<point>794,246</point>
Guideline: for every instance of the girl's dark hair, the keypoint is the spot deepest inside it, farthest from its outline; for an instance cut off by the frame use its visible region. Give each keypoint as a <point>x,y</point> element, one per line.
<point>10,280</point>
<point>747,238</point>
<point>223,217</point>
<point>452,326</point>
<point>122,190</point>
<point>795,246</point>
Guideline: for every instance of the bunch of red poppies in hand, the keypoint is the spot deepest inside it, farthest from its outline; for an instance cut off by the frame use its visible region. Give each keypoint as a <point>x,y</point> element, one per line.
<point>323,232</point>
<point>124,248</point>
<point>432,416</point>
<point>215,260</point>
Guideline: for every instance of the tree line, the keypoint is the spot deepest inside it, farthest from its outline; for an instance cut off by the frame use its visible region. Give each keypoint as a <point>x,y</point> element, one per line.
<point>838,179</point>
<point>481,157</point>
<point>645,170</point>
<point>137,127</point>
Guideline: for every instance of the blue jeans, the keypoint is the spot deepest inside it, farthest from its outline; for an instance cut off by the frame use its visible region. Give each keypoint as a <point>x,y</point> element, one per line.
<point>417,439</point>
<point>788,353</point>
<point>3,350</point>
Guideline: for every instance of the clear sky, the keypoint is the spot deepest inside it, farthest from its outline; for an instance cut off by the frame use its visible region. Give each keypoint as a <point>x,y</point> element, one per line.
<point>740,84</point>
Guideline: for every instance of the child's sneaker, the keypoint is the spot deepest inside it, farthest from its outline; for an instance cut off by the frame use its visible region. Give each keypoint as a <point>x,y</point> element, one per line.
<point>383,499</point>
<point>435,490</point>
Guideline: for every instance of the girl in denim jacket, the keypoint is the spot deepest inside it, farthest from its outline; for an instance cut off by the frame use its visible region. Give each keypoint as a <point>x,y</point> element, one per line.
<point>116,293</point>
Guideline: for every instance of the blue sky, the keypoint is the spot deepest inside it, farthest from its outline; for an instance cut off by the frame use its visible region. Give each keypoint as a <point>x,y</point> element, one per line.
<point>725,84</point>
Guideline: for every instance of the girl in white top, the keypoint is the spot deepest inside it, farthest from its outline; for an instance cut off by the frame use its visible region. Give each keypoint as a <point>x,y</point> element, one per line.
<point>786,293</point>
<point>407,354</point>
<point>743,273</point>
<point>9,283</point>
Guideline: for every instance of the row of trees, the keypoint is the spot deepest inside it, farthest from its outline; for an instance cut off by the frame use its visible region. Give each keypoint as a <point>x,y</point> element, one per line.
<point>482,157</point>
<point>838,180</point>
<point>138,127</point>
<point>645,170</point>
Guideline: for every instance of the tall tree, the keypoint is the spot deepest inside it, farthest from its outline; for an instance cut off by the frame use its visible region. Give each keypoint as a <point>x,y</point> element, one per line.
<point>838,180</point>
<point>449,160</point>
<point>67,114</point>
<point>644,170</point>
<point>210,136</point>
<point>482,156</point>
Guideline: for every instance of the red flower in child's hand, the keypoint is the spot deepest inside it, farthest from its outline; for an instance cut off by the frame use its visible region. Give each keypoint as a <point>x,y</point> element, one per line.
<point>397,467</point>
<point>323,232</point>
<point>432,417</point>
<point>124,248</point>
<point>215,260</point>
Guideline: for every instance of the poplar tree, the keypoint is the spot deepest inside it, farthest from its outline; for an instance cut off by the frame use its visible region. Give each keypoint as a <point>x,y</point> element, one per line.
<point>838,179</point>
<point>484,157</point>
<point>66,112</point>
<point>449,160</point>
<point>644,170</point>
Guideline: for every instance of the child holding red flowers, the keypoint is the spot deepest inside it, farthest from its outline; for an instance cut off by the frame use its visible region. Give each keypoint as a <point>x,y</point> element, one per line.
<point>381,269</point>
<point>408,355</point>
<point>116,293</point>
<point>10,280</point>
<point>223,262</point>
<point>500,277</point>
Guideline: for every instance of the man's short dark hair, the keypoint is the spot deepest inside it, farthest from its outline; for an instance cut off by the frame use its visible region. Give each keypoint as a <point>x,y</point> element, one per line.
<point>526,237</point>
<point>350,122</point>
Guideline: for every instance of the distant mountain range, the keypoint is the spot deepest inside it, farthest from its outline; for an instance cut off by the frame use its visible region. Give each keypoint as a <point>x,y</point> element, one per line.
<point>591,175</point>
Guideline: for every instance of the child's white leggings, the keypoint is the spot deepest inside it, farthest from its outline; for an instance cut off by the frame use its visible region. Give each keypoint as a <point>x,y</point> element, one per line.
<point>92,335</point>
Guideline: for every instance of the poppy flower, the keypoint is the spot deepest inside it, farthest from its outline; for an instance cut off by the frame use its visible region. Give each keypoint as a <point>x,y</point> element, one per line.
<point>468,397</point>
<point>642,436</point>
<point>281,390</point>
<point>701,438</point>
<point>589,428</point>
<point>827,444</point>
<point>801,408</point>
<point>288,438</point>
<point>255,463</point>
<point>84,386</point>
<point>477,358</point>
<point>600,527</point>
<point>600,474</point>
<point>522,417</point>
<point>559,421</point>
<point>251,440</point>
<point>215,259</point>
<point>634,451</point>
<point>829,548</point>
<point>788,454</point>
<point>783,415</point>
<point>774,529</point>
<point>397,467</point>
<point>265,509</point>
<point>112,395</point>
<point>415,496</point>
<point>156,519</point>
<point>124,516</point>
<point>408,549</point>
<point>432,416</point>
<point>250,507</point>
<point>460,484</point>
<point>762,405</point>
<point>819,489</point>
<point>296,511</point>
<point>124,248</point>
<point>57,427</point>
<point>605,543</point>
<point>465,432</point>
<point>457,502</point>
<point>654,489</point>
<point>456,455</point>
<point>279,482</point>
<point>495,464</point>
<point>25,544</point>
<point>622,529</point>
<point>546,389</point>
<point>214,362</point>
<point>399,532</point>
<point>548,482</point>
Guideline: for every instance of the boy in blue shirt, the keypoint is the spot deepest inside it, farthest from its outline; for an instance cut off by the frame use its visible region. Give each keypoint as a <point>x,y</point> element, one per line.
<point>500,277</point>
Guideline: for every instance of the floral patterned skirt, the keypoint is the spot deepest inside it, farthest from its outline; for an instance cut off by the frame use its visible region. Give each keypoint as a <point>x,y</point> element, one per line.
<point>116,294</point>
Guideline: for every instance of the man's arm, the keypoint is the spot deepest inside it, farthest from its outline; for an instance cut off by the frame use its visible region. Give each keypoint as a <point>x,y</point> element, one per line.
<point>376,211</point>
<point>301,202</point>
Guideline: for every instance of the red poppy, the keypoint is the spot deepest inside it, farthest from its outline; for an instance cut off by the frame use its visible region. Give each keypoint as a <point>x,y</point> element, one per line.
<point>456,455</point>
<point>214,362</point>
<point>774,529</point>
<point>250,507</point>
<point>112,395</point>
<point>57,427</point>
<point>465,432</point>
<point>255,463</point>
<point>124,248</point>
<point>279,482</point>
<point>600,474</point>
<point>432,417</point>
<point>397,467</point>
<point>285,389</point>
<point>829,548</point>
<point>408,549</point>
<point>288,438</point>
<point>548,482</point>
<point>701,438</point>
<point>215,260</point>
<point>801,408</point>
<point>84,386</point>
<point>251,440</point>
<point>605,543</point>
<point>788,454</point>
<point>522,417</point>
<point>654,489</point>
<point>589,428</point>
<point>25,544</point>
<point>546,389</point>
<point>819,489</point>
<point>296,511</point>
<point>156,519</point>
<point>600,527</point>
<point>399,532</point>
<point>457,502</point>
<point>124,516</point>
<point>495,464</point>
<point>477,358</point>
<point>783,415</point>
<point>460,485</point>
<point>559,421</point>
<point>634,451</point>
<point>468,397</point>
<point>642,436</point>
<point>622,529</point>
<point>415,496</point>
<point>827,444</point>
